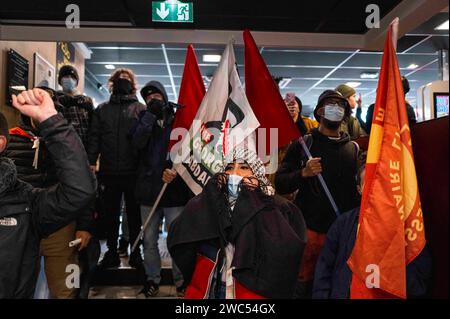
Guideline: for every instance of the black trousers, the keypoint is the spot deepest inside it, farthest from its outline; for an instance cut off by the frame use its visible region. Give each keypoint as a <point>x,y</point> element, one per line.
<point>115,186</point>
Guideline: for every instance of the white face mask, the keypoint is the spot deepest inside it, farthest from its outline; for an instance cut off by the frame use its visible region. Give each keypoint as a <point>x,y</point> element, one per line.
<point>233,185</point>
<point>334,113</point>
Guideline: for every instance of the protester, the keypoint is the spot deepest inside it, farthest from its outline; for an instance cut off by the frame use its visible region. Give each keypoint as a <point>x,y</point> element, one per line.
<point>109,138</point>
<point>332,279</point>
<point>350,124</point>
<point>227,241</point>
<point>151,136</point>
<point>367,125</point>
<point>76,108</point>
<point>52,208</point>
<point>335,157</point>
<point>35,165</point>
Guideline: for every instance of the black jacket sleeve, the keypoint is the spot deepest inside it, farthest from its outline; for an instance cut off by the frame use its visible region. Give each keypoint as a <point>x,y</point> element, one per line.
<point>93,149</point>
<point>142,129</point>
<point>85,221</point>
<point>58,205</point>
<point>288,178</point>
<point>360,120</point>
<point>369,117</point>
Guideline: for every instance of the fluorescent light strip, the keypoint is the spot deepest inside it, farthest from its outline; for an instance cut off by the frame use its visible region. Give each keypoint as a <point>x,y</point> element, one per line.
<point>170,71</point>
<point>331,72</point>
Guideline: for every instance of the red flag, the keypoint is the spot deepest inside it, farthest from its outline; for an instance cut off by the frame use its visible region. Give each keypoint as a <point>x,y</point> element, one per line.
<point>192,91</point>
<point>391,230</point>
<point>264,96</point>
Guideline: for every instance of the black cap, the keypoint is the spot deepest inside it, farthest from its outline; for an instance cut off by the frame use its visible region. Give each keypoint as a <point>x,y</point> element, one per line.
<point>328,94</point>
<point>4,130</point>
<point>67,70</point>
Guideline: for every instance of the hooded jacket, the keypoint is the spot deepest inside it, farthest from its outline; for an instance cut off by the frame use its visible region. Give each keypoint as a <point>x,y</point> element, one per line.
<point>268,233</point>
<point>151,140</point>
<point>28,214</point>
<point>339,159</point>
<point>109,136</point>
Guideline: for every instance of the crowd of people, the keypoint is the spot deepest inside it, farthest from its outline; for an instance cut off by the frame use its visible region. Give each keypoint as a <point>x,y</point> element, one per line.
<point>247,235</point>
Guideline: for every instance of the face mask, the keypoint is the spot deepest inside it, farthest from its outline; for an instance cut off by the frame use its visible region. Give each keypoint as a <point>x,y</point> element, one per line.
<point>233,185</point>
<point>334,113</point>
<point>122,87</point>
<point>68,84</point>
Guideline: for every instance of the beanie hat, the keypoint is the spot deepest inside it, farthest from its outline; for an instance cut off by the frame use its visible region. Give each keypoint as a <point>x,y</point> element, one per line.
<point>67,70</point>
<point>4,127</point>
<point>345,90</point>
<point>329,94</point>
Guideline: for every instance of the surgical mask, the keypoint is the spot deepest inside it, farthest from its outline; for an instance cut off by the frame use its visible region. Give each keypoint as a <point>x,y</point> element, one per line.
<point>233,185</point>
<point>68,84</point>
<point>122,87</point>
<point>334,113</point>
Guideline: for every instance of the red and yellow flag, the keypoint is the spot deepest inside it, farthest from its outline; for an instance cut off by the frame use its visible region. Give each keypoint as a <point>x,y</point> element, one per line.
<point>391,229</point>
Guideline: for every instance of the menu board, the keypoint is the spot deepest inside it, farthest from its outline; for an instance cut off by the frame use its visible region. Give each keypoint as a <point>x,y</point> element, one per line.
<point>17,75</point>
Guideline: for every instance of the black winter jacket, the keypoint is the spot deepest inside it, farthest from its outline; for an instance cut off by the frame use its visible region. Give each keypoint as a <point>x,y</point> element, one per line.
<point>151,142</point>
<point>28,214</point>
<point>339,170</point>
<point>20,151</point>
<point>109,137</point>
<point>268,233</point>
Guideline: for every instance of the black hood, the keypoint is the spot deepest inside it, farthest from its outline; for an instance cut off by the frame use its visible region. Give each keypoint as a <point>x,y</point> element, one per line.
<point>152,87</point>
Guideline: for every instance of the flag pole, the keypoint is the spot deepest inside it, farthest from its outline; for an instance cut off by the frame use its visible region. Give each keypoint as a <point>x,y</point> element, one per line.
<point>321,180</point>
<point>147,221</point>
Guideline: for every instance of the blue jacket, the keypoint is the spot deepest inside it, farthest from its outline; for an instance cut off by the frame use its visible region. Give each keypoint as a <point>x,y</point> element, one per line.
<point>332,277</point>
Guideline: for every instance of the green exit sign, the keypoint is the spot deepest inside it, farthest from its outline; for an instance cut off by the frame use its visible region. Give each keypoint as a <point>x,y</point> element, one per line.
<point>172,11</point>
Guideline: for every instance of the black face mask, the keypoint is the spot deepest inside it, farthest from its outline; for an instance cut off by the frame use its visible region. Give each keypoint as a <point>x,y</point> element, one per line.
<point>122,87</point>
<point>331,125</point>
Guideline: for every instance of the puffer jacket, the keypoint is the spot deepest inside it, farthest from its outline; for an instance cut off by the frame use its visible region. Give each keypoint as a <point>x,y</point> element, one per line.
<point>29,214</point>
<point>109,137</point>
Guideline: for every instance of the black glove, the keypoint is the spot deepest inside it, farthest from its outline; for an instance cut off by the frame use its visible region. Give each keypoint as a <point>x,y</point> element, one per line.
<point>156,107</point>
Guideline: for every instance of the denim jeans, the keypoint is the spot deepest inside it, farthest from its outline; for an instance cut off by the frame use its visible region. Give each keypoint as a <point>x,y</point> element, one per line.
<point>152,258</point>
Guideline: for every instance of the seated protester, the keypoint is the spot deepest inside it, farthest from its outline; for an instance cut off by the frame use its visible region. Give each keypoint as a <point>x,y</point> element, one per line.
<point>367,125</point>
<point>332,279</point>
<point>237,239</point>
<point>335,157</point>
<point>28,214</point>
<point>350,124</point>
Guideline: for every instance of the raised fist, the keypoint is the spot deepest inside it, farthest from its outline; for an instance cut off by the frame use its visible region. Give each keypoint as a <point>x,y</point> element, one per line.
<point>36,104</point>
